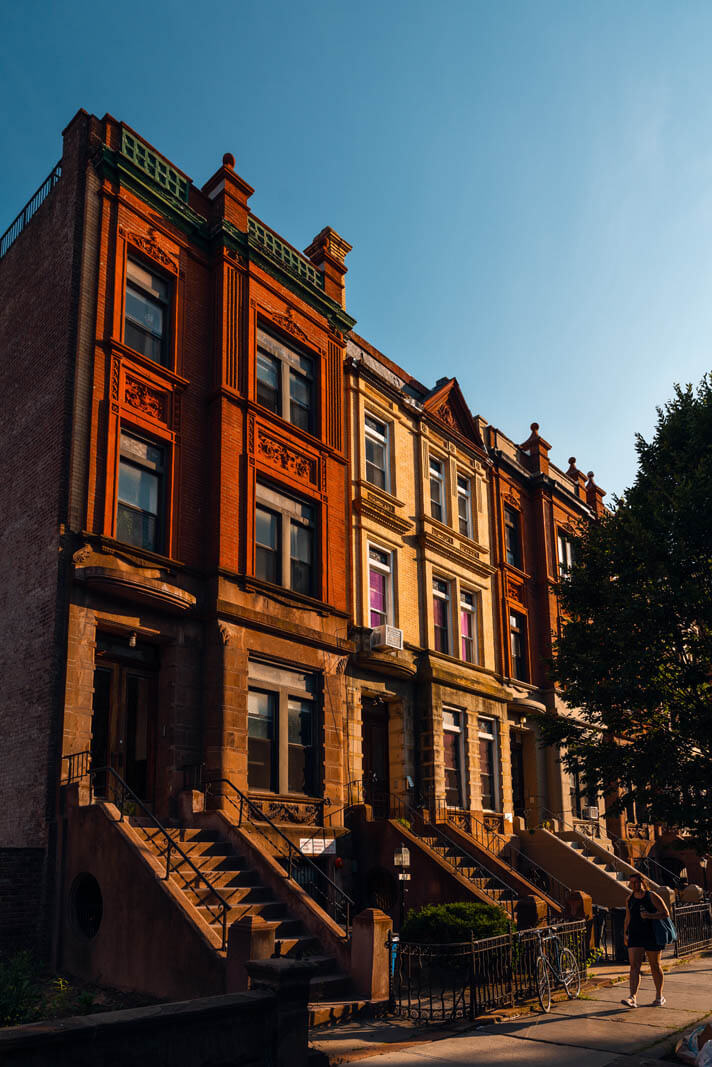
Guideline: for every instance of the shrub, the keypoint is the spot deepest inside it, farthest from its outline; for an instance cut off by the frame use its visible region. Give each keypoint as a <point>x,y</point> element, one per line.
<point>444,924</point>
<point>19,993</point>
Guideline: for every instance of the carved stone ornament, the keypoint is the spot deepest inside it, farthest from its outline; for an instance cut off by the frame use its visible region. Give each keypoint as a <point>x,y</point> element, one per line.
<point>82,554</point>
<point>250,433</point>
<point>286,458</point>
<point>150,401</point>
<point>225,633</point>
<point>445,415</point>
<point>287,323</point>
<point>236,257</point>
<point>512,497</point>
<point>115,369</point>
<point>280,811</point>
<point>148,244</point>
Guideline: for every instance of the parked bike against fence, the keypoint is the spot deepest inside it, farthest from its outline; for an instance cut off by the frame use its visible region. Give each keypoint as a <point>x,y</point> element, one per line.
<point>557,963</point>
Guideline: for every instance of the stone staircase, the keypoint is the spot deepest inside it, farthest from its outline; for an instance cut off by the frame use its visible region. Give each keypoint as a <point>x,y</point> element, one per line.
<point>609,865</point>
<point>486,885</point>
<point>240,886</point>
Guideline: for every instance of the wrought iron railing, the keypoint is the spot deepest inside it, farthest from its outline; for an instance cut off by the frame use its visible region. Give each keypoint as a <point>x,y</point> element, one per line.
<point>18,224</point>
<point>500,847</point>
<point>694,927</point>
<point>659,873</point>
<point>300,868</point>
<point>441,983</point>
<point>106,784</point>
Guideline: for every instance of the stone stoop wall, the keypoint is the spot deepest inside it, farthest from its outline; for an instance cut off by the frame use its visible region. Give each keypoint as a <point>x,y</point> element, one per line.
<point>21,881</point>
<point>145,942</point>
<point>239,1030</point>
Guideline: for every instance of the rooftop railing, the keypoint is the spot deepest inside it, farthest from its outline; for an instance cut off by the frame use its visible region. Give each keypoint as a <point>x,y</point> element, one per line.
<point>17,225</point>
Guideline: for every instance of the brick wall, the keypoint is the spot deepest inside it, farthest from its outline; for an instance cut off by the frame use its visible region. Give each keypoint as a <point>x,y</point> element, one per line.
<point>21,880</point>
<point>38,287</point>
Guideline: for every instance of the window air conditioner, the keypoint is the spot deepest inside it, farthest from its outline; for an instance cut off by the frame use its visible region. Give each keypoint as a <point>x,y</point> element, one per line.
<point>386,637</point>
<point>591,813</point>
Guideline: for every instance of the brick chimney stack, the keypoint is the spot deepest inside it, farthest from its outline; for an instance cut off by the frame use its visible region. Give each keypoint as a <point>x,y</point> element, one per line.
<point>229,194</point>
<point>327,252</point>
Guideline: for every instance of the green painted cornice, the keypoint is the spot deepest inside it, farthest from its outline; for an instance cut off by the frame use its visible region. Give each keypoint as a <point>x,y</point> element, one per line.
<point>246,245</point>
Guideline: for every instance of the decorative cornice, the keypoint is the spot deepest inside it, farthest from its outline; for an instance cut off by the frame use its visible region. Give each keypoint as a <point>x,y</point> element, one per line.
<point>287,323</point>
<point>372,506</point>
<point>450,547</point>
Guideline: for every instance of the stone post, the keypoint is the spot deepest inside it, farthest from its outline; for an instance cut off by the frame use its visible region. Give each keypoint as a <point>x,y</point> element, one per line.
<point>531,912</point>
<point>580,906</point>
<point>289,981</point>
<point>249,939</point>
<point>369,953</point>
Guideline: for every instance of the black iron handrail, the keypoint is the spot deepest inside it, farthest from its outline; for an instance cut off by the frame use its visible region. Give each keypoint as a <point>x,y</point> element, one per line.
<point>331,897</point>
<point>79,766</point>
<point>20,221</point>
<point>496,843</point>
<point>659,872</point>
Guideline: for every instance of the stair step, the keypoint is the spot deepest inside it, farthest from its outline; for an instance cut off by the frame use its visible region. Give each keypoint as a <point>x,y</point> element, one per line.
<point>332,1012</point>
<point>298,947</point>
<point>289,927</point>
<point>329,987</point>
<point>235,895</point>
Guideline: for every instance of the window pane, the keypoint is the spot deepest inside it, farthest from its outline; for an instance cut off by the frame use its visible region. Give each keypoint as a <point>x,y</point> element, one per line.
<point>267,552</point>
<point>375,463</point>
<point>144,312</point>
<point>512,536</point>
<point>138,487</point>
<point>150,283</point>
<point>136,528</point>
<point>453,776</point>
<point>281,676</point>
<point>377,597</point>
<point>463,510</point>
<point>268,382</point>
<point>302,538</point>
<point>300,738</point>
<point>260,740</point>
<point>487,772</point>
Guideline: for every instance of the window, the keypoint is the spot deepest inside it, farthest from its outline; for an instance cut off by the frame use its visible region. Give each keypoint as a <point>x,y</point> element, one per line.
<point>281,750</point>
<point>453,755</point>
<point>138,514</point>
<point>513,537</point>
<point>377,453</point>
<point>489,785</point>
<point>146,314</point>
<point>261,748</point>
<point>285,381</point>
<point>469,626</point>
<point>464,505</point>
<point>567,553</point>
<point>437,490</point>
<point>581,797</point>
<point>284,541</point>
<point>441,614</point>
<point>380,586</point>
<point>517,645</point>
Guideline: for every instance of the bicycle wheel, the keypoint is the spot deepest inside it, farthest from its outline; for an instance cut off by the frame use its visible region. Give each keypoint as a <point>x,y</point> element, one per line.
<point>570,973</point>
<point>543,985</point>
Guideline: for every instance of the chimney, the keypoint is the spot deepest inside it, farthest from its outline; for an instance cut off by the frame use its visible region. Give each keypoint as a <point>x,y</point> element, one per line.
<point>536,450</point>
<point>327,252</point>
<point>229,194</point>
<point>578,478</point>
<point>594,496</point>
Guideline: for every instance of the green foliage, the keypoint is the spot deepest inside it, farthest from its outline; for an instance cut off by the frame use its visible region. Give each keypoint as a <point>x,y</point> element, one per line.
<point>19,993</point>
<point>636,654</point>
<point>441,924</point>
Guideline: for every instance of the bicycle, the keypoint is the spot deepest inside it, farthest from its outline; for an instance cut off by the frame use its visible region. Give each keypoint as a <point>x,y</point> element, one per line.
<point>563,968</point>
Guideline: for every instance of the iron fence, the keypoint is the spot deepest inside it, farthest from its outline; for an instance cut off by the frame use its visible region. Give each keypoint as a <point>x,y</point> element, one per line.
<point>694,927</point>
<point>441,983</point>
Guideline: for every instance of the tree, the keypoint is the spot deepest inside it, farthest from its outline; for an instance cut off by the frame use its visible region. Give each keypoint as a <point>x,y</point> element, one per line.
<point>635,655</point>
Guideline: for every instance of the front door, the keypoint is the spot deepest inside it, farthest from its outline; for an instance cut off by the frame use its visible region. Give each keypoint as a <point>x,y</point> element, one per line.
<point>517,753</point>
<point>376,780</point>
<point>123,722</point>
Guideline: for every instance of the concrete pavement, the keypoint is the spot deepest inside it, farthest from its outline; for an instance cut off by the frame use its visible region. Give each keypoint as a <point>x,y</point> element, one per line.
<point>594,1031</point>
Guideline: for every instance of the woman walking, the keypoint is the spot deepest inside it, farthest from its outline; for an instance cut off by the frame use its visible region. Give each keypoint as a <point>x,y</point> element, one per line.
<point>639,935</point>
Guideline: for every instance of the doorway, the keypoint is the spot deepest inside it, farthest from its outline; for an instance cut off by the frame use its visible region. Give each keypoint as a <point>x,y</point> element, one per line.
<point>124,716</point>
<point>516,748</point>
<point>376,778</point>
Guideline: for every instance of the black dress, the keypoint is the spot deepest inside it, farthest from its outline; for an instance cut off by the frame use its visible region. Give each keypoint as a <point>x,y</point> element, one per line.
<point>641,933</point>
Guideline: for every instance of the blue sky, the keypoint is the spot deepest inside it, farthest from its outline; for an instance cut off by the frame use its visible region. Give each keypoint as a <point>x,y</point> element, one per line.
<point>527,186</point>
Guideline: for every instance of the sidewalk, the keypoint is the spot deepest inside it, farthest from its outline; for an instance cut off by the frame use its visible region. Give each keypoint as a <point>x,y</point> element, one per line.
<point>594,1031</point>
